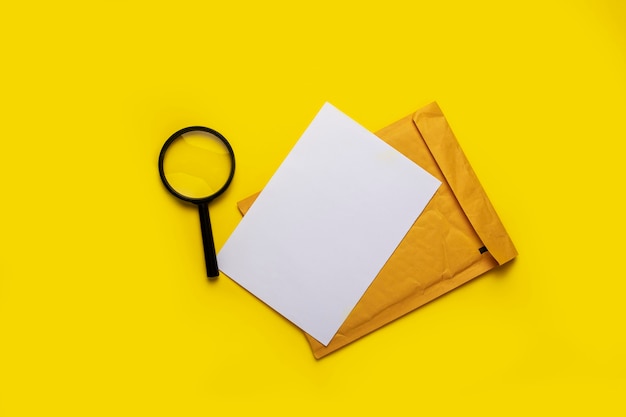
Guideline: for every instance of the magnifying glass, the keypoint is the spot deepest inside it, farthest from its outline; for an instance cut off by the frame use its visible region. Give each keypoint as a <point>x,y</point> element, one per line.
<point>196,164</point>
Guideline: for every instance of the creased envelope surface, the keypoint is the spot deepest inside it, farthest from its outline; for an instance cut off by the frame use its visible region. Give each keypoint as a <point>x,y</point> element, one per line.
<point>458,237</point>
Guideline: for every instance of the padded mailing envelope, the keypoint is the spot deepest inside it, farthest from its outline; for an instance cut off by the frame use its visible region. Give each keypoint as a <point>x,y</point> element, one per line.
<point>458,237</point>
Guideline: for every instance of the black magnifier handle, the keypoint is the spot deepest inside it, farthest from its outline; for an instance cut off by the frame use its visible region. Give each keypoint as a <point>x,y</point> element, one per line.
<point>207,240</point>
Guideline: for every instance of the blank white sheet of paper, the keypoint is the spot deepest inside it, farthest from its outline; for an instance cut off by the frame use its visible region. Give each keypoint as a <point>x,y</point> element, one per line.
<point>326,223</point>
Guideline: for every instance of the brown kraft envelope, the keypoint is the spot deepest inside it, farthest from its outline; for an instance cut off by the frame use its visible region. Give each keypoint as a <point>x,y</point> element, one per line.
<point>456,238</point>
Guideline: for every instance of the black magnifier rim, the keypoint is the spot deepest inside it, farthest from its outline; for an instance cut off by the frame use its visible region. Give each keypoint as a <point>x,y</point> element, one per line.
<point>171,140</point>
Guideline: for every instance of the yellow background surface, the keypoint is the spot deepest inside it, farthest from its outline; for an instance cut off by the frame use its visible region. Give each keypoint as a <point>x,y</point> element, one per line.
<point>104,304</point>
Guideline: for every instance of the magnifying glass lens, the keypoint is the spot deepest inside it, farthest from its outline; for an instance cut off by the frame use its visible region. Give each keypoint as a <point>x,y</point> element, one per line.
<point>197,164</point>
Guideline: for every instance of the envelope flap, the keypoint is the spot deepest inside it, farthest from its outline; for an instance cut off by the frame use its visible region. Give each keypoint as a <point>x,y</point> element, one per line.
<point>457,171</point>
